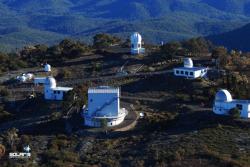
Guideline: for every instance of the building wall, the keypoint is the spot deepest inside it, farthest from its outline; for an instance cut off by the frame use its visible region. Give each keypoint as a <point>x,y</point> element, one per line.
<point>189,73</point>
<point>103,104</point>
<point>222,108</point>
<point>137,51</point>
<point>50,94</point>
<point>89,121</point>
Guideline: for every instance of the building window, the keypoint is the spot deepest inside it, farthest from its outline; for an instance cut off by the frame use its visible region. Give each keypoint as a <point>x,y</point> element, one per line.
<point>191,73</point>
<point>177,71</point>
<point>54,92</point>
<point>132,45</point>
<point>182,72</point>
<point>239,106</point>
<point>186,73</point>
<point>139,45</point>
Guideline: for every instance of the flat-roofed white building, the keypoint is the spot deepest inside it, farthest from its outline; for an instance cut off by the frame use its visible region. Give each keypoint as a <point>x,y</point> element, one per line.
<point>136,44</point>
<point>51,90</point>
<point>224,102</point>
<point>189,71</point>
<point>104,104</point>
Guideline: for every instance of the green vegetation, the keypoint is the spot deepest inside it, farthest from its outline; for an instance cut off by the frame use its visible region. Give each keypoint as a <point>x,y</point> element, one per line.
<point>66,49</point>
<point>10,62</point>
<point>77,98</point>
<point>234,113</point>
<point>49,21</point>
<point>104,40</point>
<point>179,128</point>
<point>193,47</point>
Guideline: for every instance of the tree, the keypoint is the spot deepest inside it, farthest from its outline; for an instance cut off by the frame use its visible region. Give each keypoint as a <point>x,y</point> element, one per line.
<point>127,43</point>
<point>234,113</point>
<point>104,124</point>
<point>104,40</point>
<point>77,97</point>
<point>197,46</point>
<point>11,136</point>
<point>219,51</point>
<point>220,55</point>
<point>170,50</point>
<point>64,74</point>
<point>72,49</point>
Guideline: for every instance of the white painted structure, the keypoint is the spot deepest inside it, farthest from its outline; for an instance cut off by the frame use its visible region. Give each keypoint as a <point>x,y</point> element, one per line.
<point>39,80</point>
<point>47,67</point>
<point>104,103</point>
<point>136,44</point>
<point>25,77</point>
<point>224,102</point>
<point>189,71</point>
<point>51,91</point>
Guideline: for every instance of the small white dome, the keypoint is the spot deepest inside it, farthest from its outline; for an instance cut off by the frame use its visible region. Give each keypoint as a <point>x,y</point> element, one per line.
<point>29,76</point>
<point>188,62</point>
<point>23,78</point>
<point>50,82</point>
<point>47,68</point>
<point>136,38</point>
<point>223,95</point>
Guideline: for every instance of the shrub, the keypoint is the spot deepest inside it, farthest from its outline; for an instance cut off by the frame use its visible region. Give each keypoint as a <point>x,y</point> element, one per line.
<point>64,74</point>
<point>234,113</point>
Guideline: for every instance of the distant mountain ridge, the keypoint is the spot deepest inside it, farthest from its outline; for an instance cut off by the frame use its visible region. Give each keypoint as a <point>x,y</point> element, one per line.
<point>237,39</point>
<point>25,21</point>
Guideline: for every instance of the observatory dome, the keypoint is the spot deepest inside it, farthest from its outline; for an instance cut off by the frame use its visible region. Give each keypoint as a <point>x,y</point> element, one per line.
<point>29,76</point>
<point>50,82</point>
<point>223,95</point>
<point>188,62</point>
<point>136,38</point>
<point>23,78</point>
<point>47,68</point>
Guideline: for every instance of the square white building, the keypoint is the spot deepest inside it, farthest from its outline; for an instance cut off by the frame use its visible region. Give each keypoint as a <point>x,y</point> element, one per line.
<point>223,103</point>
<point>189,71</point>
<point>104,103</point>
<point>51,90</point>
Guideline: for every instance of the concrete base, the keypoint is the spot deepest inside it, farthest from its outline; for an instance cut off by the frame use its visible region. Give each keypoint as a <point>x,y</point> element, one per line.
<point>138,51</point>
<point>111,121</point>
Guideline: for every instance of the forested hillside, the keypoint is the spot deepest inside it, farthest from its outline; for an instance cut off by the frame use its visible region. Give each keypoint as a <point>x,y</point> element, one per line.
<point>48,21</point>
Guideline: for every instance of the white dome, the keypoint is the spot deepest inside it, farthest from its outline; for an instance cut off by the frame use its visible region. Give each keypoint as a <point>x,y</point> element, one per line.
<point>47,68</point>
<point>50,82</point>
<point>29,76</point>
<point>136,38</point>
<point>22,78</point>
<point>188,62</point>
<point>223,95</point>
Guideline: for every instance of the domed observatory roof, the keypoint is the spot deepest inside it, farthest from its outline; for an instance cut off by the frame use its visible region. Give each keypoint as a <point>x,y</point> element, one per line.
<point>223,95</point>
<point>136,38</point>
<point>23,78</point>
<point>47,68</point>
<point>188,63</point>
<point>50,82</point>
